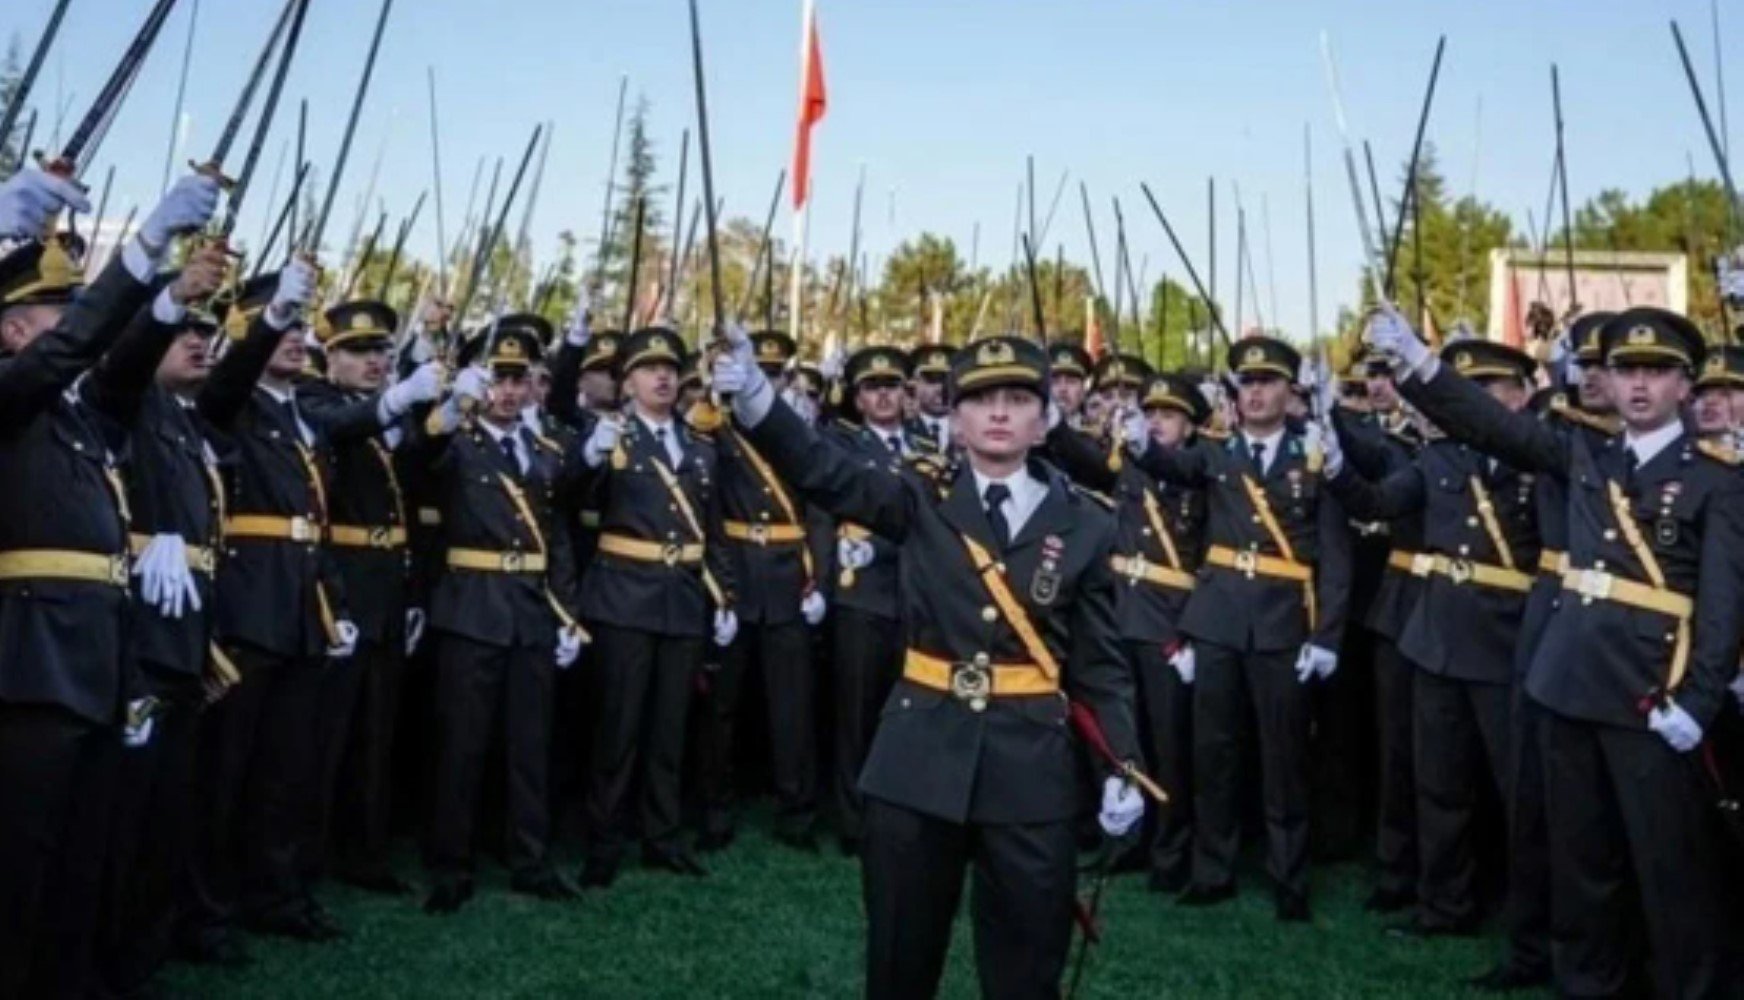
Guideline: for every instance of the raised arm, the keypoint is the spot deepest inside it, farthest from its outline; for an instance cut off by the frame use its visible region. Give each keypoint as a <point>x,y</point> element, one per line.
<point>1398,494</point>
<point>1365,447</point>
<point>1082,458</point>
<point>828,475</point>
<point>1470,415</point>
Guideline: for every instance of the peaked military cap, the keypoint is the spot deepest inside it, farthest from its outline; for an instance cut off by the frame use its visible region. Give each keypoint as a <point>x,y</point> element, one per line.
<point>1650,336</point>
<point>1128,370</point>
<point>1583,336</point>
<point>1174,391</point>
<point>42,272</point>
<point>1477,359</point>
<point>774,349</point>
<point>602,350</point>
<point>652,345</point>
<point>997,362</point>
<point>1264,356</point>
<point>931,359</point>
<point>877,363</point>
<point>1069,359</point>
<point>358,325</point>
<point>1723,367</point>
<point>514,342</point>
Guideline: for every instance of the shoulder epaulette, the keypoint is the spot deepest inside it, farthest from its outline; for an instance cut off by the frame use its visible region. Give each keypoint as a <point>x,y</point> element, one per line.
<point>1724,454</point>
<point>1560,406</point>
<point>1101,498</point>
<point>548,444</point>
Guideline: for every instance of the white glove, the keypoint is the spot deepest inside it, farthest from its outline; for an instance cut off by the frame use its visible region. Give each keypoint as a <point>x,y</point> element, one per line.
<point>472,383</point>
<point>1675,726</point>
<point>141,720</point>
<point>1325,387</point>
<point>32,198</point>
<point>1391,335</point>
<point>834,364</point>
<point>165,581</point>
<point>1331,449</point>
<point>1184,663</point>
<point>737,374</point>
<point>726,627</point>
<point>1313,662</point>
<point>812,607</point>
<point>575,331</point>
<point>1122,807</point>
<point>800,403</point>
<point>347,643</point>
<point>854,553</point>
<point>1136,429</point>
<point>414,629</point>
<point>568,646</point>
<point>1737,689</point>
<point>296,289</point>
<point>188,205</point>
<point>1052,410</point>
<point>602,441</point>
<point>422,386</point>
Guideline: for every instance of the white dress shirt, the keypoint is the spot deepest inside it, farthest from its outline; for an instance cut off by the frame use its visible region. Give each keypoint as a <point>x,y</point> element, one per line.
<point>289,396</point>
<point>1268,447</point>
<point>513,434</point>
<point>1647,446</point>
<point>663,430</point>
<point>1027,493</point>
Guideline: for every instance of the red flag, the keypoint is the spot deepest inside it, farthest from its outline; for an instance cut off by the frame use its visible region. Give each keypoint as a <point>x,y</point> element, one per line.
<point>812,103</point>
<point>1092,330</point>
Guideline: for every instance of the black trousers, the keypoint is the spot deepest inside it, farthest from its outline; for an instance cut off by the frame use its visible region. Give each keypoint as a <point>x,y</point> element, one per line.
<point>1634,842</point>
<point>866,658</point>
<point>1527,911</point>
<point>482,690</point>
<point>1396,826</point>
<point>341,687</point>
<point>56,788</point>
<point>1462,742</point>
<point>361,825</point>
<point>256,778</point>
<point>1341,756</point>
<point>151,836</point>
<point>645,685</point>
<point>912,873</point>
<point>1166,719</point>
<point>1227,682</point>
<point>790,693</point>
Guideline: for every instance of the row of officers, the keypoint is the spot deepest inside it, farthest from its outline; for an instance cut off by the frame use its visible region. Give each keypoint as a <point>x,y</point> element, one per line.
<point>216,569</point>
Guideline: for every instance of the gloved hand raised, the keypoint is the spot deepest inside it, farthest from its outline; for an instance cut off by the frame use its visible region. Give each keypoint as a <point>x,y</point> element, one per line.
<point>31,198</point>
<point>187,206</point>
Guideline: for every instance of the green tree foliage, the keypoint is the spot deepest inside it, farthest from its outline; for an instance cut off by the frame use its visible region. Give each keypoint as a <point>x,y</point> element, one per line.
<point>1688,217</point>
<point>636,185</point>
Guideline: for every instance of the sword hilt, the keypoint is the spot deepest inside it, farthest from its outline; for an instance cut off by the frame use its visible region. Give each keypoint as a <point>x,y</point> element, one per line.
<point>214,170</point>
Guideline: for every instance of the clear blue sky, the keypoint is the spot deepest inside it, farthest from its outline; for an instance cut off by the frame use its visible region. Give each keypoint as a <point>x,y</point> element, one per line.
<point>941,100</point>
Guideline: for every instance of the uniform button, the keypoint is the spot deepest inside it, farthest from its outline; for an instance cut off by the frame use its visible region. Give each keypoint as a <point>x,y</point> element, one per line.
<point>905,703</point>
<point>1600,564</point>
<point>1610,535</point>
<point>1145,532</point>
<point>1471,522</point>
<point>1255,518</point>
<point>1465,550</point>
<point>989,613</point>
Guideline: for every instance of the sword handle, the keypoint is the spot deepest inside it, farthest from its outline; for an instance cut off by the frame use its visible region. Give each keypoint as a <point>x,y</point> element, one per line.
<point>214,170</point>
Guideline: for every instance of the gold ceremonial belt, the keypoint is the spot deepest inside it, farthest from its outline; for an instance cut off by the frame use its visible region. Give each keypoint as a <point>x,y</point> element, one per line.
<point>352,536</point>
<point>63,564</point>
<point>1553,562</point>
<point>642,550</point>
<point>1251,564</point>
<point>1463,571</point>
<point>200,558</point>
<point>485,561</point>
<point>764,534</point>
<point>1596,585</point>
<point>1136,568</point>
<point>1414,563</point>
<point>273,527</point>
<point>978,679</point>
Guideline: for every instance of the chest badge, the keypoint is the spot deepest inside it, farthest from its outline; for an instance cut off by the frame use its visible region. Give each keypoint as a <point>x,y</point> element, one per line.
<point>1665,531</point>
<point>1044,587</point>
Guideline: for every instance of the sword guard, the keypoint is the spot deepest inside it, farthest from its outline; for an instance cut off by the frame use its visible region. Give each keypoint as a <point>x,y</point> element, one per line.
<point>61,167</point>
<point>212,169</point>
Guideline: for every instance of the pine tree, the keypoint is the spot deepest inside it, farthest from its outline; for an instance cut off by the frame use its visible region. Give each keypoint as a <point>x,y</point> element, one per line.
<point>636,184</point>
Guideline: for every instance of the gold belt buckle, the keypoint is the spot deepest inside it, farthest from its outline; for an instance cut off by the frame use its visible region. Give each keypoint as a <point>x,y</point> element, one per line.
<point>670,554</point>
<point>1459,571</point>
<point>301,529</point>
<point>1595,585</point>
<point>514,562</point>
<point>1421,564</point>
<point>380,538</point>
<point>118,570</point>
<point>1246,561</point>
<point>972,682</point>
<point>1135,568</point>
<point>760,534</point>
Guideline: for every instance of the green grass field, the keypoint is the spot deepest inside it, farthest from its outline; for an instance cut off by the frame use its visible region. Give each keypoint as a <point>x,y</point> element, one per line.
<point>770,923</point>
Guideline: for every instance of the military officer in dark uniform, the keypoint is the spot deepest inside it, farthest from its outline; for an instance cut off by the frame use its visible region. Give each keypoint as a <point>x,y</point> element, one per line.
<point>1479,556</point>
<point>1069,367</point>
<point>1378,441</point>
<point>1159,543</point>
<point>973,766</point>
<point>368,539</point>
<point>929,367</point>
<point>1119,378</point>
<point>505,614</point>
<point>1635,660</point>
<point>1266,618</point>
<point>148,379</point>
<point>659,588</point>
<point>778,599</point>
<point>64,524</point>
<point>281,617</point>
<point>866,639</point>
<point>1718,407</point>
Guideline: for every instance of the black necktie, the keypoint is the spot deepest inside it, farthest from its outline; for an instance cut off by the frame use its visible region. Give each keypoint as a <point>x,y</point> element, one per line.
<point>1259,457</point>
<point>895,444</point>
<point>509,449</point>
<point>1630,463</point>
<point>996,495</point>
<point>660,439</point>
<point>291,416</point>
